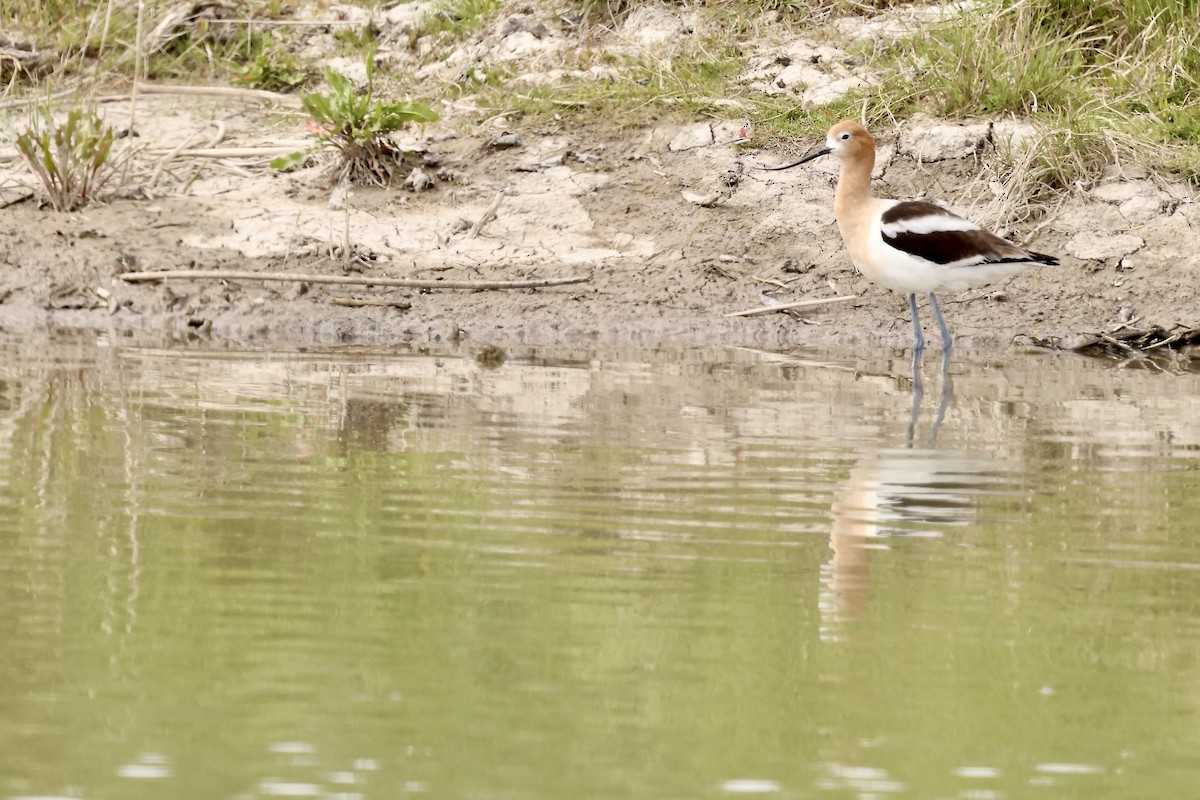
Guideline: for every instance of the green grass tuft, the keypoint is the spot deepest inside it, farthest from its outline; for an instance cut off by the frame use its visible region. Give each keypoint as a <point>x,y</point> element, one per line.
<point>1128,66</point>
<point>455,20</point>
<point>1110,79</point>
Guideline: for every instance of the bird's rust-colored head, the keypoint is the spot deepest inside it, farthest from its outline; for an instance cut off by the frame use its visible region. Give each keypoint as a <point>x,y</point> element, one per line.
<point>847,140</point>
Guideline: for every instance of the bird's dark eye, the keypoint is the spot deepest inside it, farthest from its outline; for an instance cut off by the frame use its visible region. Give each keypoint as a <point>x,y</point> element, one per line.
<point>845,136</point>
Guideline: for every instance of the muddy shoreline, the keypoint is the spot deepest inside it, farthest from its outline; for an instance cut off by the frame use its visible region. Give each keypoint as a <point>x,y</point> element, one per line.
<point>674,225</point>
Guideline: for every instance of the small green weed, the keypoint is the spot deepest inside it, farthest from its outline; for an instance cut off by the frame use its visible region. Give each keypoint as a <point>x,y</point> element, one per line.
<point>357,125</point>
<point>457,19</point>
<point>629,91</point>
<point>73,159</point>
<point>274,74</point>
<point>357,39</point>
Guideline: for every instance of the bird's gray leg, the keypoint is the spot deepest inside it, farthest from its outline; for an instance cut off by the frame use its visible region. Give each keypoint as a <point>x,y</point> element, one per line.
<point>918,337</point>
<point>918,390</point>
<point>947,386</point>
<point>947,340</point>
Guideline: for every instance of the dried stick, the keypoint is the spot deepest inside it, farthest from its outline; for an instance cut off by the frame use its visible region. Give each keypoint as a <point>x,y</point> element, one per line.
<point>29,101</point>
<point>225,91</point>
<point>354,302</point>
<point>346,236</point>
<point>231,152</point>
<point>138,65</point>
<point>276,23</point>
<point>347,280</point>
<point>798,304</point>
<point>1119,344</point>
<point>162,162</point>
<point>103,43</point>
<point>260,95</point>
<point>487,216</point>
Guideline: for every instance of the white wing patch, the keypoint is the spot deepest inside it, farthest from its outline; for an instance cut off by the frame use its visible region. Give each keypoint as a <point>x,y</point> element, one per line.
<point>928,223</point>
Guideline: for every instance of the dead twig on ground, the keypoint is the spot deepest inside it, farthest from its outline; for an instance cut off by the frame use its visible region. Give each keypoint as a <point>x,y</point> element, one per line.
<point>346,236</point>
<point>1134,345</point>
<point>772,281</point>
<point>750,312</point>
<point>356,302</point>
<point>139,66</point>
<point>143,89</point>
<point>32,101</point>
<point>724,273</point>
<point>21,59</point>
<point>345,280</point>
<point>226,152</point>
<point>1104,337</point>
<point>488,215</point>
<point>21,195</point>
<point>256,22</point>
<point>183,19</point>
<point>260,95</point>
<point>552,101</point>
<point>162,162</point>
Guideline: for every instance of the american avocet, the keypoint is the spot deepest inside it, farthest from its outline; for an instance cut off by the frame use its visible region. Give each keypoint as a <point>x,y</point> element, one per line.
<point>911,246</point>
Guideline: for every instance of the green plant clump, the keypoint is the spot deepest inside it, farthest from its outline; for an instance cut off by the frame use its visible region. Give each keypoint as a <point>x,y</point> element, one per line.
<point>1112,75</point>
<point>357,125</point>
<point>73,159</point>
<point>457,19</point>
<point>271,74</point>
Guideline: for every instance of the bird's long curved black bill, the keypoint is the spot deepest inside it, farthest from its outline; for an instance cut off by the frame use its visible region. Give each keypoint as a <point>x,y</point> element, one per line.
<point>809,156</point>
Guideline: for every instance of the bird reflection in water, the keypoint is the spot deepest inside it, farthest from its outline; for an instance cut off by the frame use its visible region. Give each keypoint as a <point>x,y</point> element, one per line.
<point>906,491</point>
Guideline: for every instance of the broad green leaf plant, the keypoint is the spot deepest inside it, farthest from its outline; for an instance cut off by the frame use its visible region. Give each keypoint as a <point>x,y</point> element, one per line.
<point>357,125</point>
<point>73,159</point>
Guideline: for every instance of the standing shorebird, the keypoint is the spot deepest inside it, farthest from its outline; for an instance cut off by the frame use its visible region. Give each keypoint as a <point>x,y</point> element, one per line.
<point>911,246</point>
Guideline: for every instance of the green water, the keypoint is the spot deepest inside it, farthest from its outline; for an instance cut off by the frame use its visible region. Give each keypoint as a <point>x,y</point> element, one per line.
<point>635,574</point>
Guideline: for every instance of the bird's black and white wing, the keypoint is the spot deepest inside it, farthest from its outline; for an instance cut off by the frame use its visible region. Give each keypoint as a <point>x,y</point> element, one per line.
<point>929,232</point>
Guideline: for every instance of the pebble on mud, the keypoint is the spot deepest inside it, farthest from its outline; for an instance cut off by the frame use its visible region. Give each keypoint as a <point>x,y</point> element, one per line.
<point>702,200</point>
<point>822,94</point>
<point>507,139</point>
<point>418,180</point>
<point>654,25</point>
<point>1118,192</point>
<point>690,137</point>
<point>1141,209</point>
